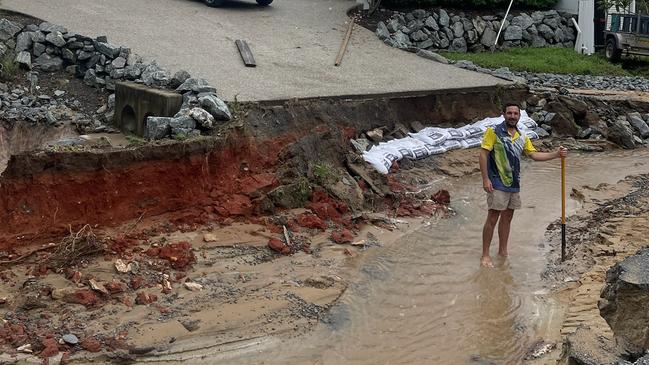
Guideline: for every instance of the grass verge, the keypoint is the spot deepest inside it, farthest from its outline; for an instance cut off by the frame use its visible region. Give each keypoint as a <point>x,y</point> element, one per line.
<point>552,60</point>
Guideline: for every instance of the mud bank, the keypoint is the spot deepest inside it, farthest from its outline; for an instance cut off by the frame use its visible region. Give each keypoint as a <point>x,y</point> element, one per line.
<point>230,175</point>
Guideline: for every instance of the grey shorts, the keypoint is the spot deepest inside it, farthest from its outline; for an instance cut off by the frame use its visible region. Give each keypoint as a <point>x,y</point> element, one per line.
<point>501,200</point>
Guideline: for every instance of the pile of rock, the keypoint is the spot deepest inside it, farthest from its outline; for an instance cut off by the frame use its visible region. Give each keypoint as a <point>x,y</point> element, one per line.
<point>201,110</point>
<point>587,118</point>
<point>21,103</point>
<point>443,30</point>
<point>50,48</point>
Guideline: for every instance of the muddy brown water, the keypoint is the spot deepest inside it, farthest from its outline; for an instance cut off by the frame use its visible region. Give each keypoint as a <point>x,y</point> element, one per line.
<point>424,299</point>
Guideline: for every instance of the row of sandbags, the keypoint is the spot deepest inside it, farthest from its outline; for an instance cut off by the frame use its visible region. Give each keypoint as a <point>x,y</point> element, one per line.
<point>434,141</point>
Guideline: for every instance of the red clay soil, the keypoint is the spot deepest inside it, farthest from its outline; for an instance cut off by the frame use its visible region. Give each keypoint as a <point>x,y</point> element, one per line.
<point>223,181</point>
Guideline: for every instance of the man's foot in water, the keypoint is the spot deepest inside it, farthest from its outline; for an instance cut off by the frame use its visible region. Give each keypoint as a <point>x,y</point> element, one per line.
<point>485,261</point>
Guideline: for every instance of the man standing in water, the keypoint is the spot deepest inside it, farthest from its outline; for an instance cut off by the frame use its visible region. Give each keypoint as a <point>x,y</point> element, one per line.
<point>502,147</point>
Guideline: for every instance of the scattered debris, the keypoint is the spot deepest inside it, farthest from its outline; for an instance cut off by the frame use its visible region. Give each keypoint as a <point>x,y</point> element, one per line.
<point>122,267</point>
<point>193,286</point>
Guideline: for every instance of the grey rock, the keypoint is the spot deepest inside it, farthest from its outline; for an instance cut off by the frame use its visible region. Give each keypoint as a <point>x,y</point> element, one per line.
<point>31,27</point>
<point>119,62</point>
<point>488,37</point>
<point>392,26</point>
<point>524,21</point>
<point>418,36</point>
<point>458,29</point>
<point>467,65</point>
<point>74,45</point>
<point>431,23</point>
<point>38,49</point>
<point>67,55</point>
<point>196,85</point>
<point>111,101</point>
<point>467,24</point>
<point>8,29</point>
<point>59,93</point>
<point>541,132</point>
<point>24,42</point>
<point>25,59</point>
<point>443,18</point>
<point>585,133</point>
<point>84,55</point>
<point>182,122</point>
<point>157,127</point>
<point>37,37</point>
<point>538,41</point>
<point>432,56</point>
<point>645,117</point>
<point>118,73</point>
<point>70,339</point>
<point>546,32</point>
<point>401,38</point>
<point>635,119</point>
<point>584,347</point>
<point>537,17</point>
<point>552,22</point>
<point>382,31</point>
<point>202,117</point>
<point>108,49</point>
<point>472,36</point>
<point>56,39</point>
<point>620,132</point>
<point>361,144</point>
<point>216,107</point>
<point>449,33</point>
<point>133,59</point>
<point>133,72</point>
<point>419,13</point>
<point>558,35</point>
<point>90,78</point>
<point>513,33</point>
<point>458,45</point>
<point>46,27</point>
<point>623,303</point>
<point>178,78</point>
<point>479,25</point>
<point>48,63</point>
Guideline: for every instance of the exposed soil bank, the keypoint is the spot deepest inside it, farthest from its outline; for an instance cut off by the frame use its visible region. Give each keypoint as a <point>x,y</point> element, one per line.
<point>42,194</point>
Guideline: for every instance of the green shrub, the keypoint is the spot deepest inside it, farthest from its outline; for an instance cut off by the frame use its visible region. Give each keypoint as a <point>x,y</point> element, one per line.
<point>470,4</point>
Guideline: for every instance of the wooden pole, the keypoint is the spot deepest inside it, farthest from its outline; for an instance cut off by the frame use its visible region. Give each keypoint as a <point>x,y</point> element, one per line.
<point>343,47</point>
<point>563,209</point>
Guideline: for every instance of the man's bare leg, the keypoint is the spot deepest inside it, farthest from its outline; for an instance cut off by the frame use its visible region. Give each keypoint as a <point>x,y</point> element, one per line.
<point>487,235</point>
<point>504,225</point>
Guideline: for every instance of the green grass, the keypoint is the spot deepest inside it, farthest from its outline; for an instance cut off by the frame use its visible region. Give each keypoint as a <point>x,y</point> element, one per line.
<point>548,60</point>
<point>8,68</point>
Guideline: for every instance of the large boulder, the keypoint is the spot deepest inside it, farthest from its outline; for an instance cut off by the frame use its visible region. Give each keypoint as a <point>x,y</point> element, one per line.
<point>215,106</point>
<point>584,347</point>
<point>202,117</point>
<point>513,33</point>
<point>563,121</point>
<point>56,39</point>
<point>24,42</point>
<point>620,132</point>
<point>578,107</point>
<point>488,37</point>
<point>624,303</point>
<point>25,59</point>
<point>635,119</point>
<point>382,31</point>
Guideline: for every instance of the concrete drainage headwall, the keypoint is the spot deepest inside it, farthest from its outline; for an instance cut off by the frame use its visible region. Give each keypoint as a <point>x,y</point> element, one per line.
<point>136,102</point>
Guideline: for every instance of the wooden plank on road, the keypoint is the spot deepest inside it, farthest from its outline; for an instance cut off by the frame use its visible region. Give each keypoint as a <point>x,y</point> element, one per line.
<point>245,52</point>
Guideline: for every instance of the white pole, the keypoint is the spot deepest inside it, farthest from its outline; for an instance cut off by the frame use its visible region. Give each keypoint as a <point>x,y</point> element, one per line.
<point>503,22</point>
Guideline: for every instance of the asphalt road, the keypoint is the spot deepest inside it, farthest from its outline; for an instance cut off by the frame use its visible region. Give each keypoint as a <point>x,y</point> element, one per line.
<point>295,43</point>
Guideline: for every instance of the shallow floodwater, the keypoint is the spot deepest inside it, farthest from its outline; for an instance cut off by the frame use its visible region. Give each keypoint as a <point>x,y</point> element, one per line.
<point>424,299</point>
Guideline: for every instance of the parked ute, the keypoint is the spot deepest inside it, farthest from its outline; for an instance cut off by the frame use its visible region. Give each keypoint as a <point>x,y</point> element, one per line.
<point>628,34</point>
<point>217,3</point>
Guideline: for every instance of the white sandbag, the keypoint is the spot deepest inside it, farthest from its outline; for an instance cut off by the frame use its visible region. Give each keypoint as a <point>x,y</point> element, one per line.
<point>531,134</point>
<point>471,142</point>
<point>473,131</point>
<point>452,144</point>
<point>489,122</point>
<point>411,148</point>
<point>380,159</point>
<point>527,124</point>
<point>456,133</point>
<point>435,149</point>
<point>431,135</point>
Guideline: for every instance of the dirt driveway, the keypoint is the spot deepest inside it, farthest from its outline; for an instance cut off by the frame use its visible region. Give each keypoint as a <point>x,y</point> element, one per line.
<point>295,43</point>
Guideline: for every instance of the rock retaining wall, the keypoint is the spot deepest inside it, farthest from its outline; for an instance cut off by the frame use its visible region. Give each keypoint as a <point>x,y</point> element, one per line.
<point>50,48</point>
<point>444,30</point>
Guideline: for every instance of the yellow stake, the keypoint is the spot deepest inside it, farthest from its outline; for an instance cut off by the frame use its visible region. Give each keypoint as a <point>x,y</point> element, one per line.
<point>563,208</point>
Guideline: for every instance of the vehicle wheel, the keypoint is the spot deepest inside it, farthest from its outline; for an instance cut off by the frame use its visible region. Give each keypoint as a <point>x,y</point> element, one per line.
<point>214,3</point>
<point>264,2</point>
<point>612,52</point>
